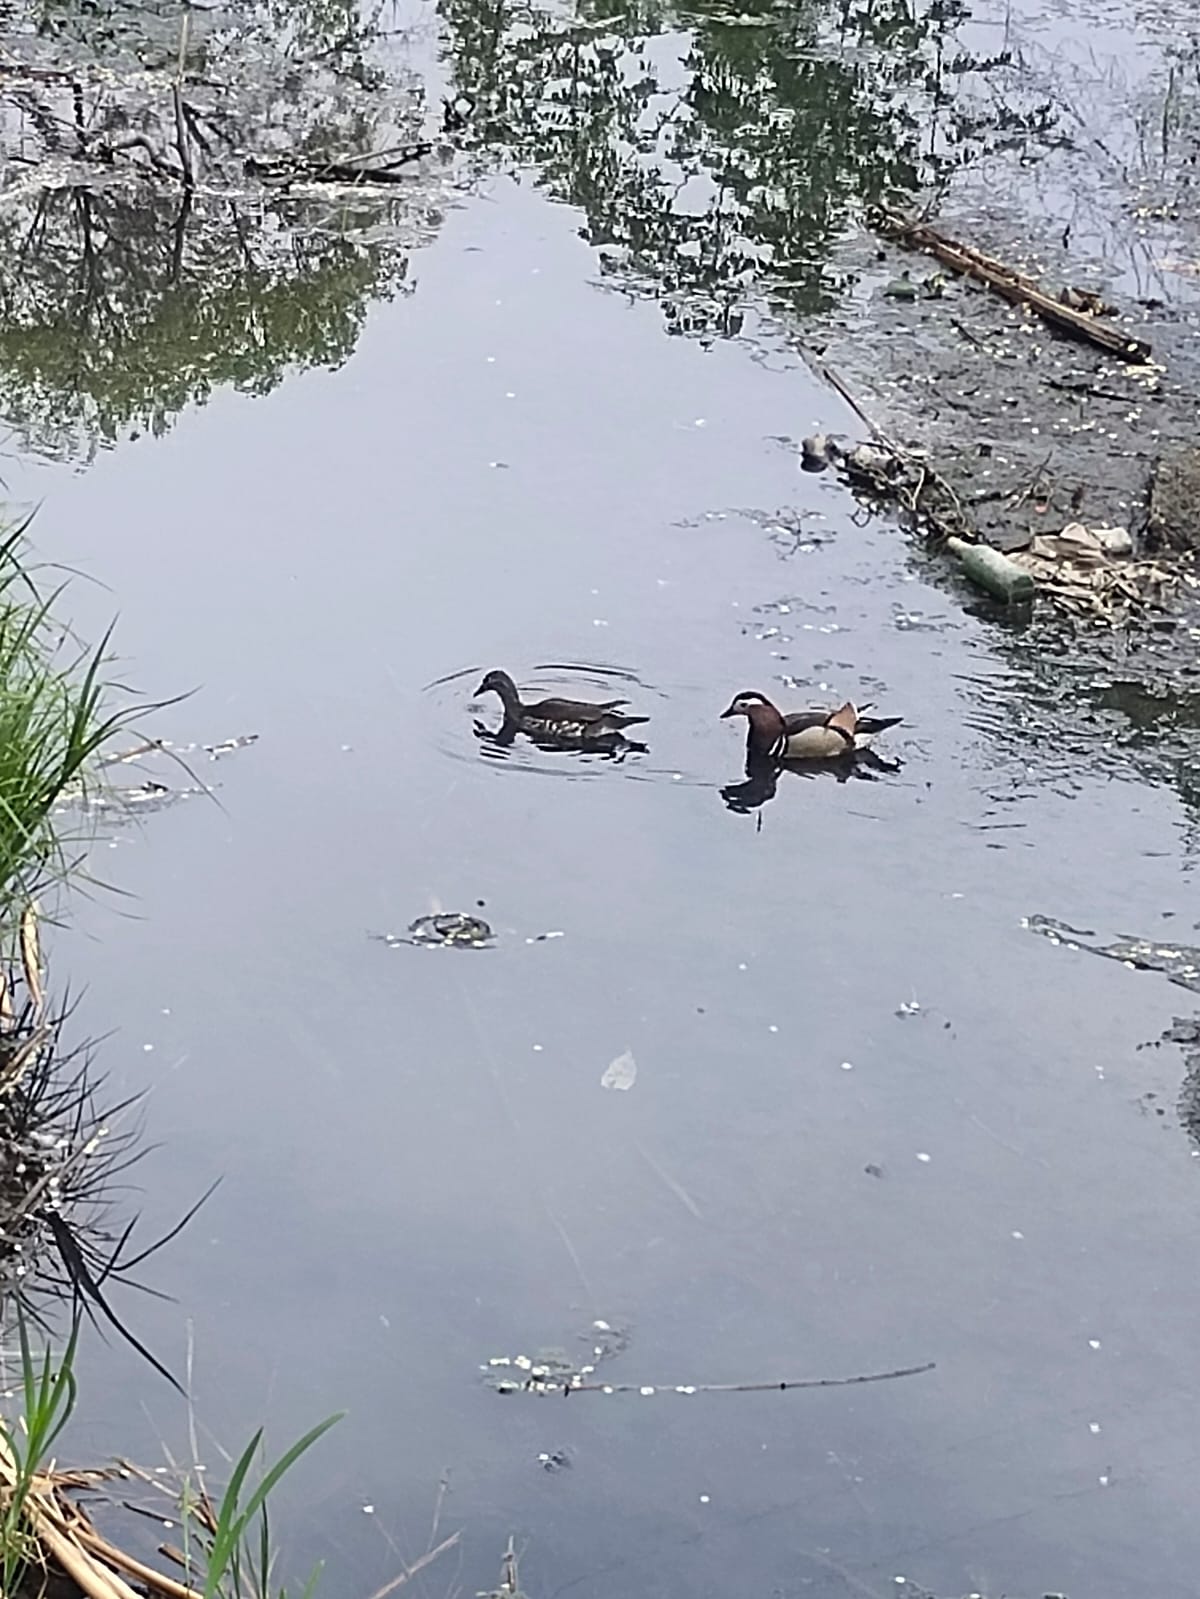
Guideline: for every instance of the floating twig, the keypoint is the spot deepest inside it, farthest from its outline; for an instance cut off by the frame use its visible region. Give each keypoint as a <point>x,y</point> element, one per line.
<point>547,1384</point>
<point>939,523</point>
<point>510,1584</point>
<point>410,1572</point>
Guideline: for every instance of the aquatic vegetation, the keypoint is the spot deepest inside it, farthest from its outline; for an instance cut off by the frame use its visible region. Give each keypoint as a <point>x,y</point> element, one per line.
<point>48,1393</point>
<point>234,1540</point>
<point>228,1550</point>
<point>54,720</point>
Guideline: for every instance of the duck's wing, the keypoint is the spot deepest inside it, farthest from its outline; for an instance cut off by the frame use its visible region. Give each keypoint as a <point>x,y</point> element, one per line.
<point>816,743</point>
<point>581,712</point>
<point>818,735</point>
<point>798,721</point>
<point>844,721</point>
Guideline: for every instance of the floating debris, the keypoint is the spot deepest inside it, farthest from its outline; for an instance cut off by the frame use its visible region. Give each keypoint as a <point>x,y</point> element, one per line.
<point>814,453</point>
<point>1061,313</point>
<point>120,799</point>
<point>620,1073</point>
<point>901,288</point>
<point>510,1583</point>
<point>442,930</point>
<point>227,746</point>
<point>540,1382</point>
<point>1179,963</point>
<point>552,1370</point>
<point>549,1371</point>
<point>1092,571</point>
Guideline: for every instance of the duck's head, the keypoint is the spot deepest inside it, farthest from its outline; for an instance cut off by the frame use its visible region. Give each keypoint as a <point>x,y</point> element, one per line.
<point>766,720</point>
<point>750,704</point>
<point>497,683</point>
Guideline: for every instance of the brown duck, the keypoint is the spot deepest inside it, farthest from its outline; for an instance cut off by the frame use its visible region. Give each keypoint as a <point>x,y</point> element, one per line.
<point>816,735</point>
<point>576,721</point>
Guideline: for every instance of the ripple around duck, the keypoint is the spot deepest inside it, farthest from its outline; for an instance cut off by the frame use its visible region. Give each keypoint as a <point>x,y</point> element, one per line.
<point>467,727</point>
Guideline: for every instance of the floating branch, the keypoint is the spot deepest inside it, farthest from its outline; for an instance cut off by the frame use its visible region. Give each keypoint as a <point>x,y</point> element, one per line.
<point>1014,286</point>
<point>543,1381</point>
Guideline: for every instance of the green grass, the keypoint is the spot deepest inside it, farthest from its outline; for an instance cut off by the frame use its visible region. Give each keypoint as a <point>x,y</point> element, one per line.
<point>54,719</point>
<point>47,1400</point>
<point>237,1558</point>
<point>228,1546</point>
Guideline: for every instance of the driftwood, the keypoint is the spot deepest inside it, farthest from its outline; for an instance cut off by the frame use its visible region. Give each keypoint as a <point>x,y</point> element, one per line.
<point>64,1539</point>
<point>1014,286</point>
<point>60,1529</point>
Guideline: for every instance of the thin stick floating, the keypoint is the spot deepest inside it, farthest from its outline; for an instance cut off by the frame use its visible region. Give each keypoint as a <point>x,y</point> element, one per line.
<point>551,1385</point>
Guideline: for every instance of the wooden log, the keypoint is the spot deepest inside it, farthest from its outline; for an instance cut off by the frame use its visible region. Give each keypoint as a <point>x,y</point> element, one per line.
<point>991,570</point>
<point>1020,290</point>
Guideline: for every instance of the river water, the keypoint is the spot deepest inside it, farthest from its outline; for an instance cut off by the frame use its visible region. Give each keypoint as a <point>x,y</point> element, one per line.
<point>875,1122</point>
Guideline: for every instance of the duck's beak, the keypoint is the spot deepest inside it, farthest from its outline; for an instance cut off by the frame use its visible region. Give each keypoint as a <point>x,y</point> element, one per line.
<point>482,689</point>
<point>734,710</point>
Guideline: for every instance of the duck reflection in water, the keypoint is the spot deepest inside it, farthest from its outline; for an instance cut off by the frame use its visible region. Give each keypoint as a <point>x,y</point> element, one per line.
<point>611,746</point>
<point>763,774</point>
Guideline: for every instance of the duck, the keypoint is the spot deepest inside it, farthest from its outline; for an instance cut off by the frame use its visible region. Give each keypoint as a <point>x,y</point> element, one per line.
<point>815,735</point>
<point>578,721</point>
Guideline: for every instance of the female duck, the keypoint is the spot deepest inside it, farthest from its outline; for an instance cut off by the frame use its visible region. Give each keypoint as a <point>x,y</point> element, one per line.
<point>804,735</point>
<point>577,721</point>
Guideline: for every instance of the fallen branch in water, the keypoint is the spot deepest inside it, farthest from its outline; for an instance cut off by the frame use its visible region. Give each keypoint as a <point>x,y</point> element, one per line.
<point>1014,286</point>
<point>417,1566</point>
<point>904,476</point>
<point>554,1384</point>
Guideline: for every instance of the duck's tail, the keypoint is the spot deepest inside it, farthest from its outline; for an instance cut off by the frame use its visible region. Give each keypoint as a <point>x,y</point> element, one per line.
<point>870,725</point>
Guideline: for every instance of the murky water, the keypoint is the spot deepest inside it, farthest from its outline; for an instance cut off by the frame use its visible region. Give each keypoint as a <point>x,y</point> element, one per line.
<point>874,1121</point>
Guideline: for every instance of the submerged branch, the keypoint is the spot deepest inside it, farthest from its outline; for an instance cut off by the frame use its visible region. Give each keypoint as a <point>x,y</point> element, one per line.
<point>547,1384</point>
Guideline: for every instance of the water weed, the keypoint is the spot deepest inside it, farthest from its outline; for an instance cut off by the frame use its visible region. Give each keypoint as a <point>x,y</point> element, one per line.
<point>54,719</point>
<point>48,1392</point>
<point>228,1547</point>
<point>233,1539</point>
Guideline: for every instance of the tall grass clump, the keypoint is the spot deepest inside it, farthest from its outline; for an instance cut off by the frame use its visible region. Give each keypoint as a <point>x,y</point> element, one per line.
<point>53,721</point>
<point>47,1393</point>
<point>236,1559</point>
<point>228,1549</point>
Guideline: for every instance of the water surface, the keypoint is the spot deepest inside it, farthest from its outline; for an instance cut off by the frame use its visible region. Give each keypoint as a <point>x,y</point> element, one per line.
<point>875,1122</point>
